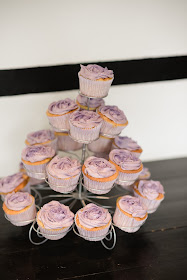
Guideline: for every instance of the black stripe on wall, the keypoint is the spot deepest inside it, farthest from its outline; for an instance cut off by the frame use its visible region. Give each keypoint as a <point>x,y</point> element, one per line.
<point>64,77</point>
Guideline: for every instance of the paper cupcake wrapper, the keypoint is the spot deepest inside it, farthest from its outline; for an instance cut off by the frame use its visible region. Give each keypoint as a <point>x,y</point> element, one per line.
<point>34,181</point>
<point>151,205</point>
<point>36,171</point>
<point>126,223</point>
<point>97,187</point>
<point>91,88</point>
<point>108,128</point>
<point>65,143</point>
<point>24,218</point>
<point>53,234</point>
<point>62,185</point>
<point>129,178</point>
<point>87,135</point>
<point>92,235</point>
<point>102,145</point>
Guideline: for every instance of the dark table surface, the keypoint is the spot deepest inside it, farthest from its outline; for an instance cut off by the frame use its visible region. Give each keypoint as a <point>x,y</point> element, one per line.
<point>157,251</point>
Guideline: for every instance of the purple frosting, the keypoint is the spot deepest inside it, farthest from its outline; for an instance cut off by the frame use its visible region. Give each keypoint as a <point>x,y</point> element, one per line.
<point>132,205</point>
<point>37,153</point>
<point>95,72</point>
<point>55,215</point>
<point>40,136</point>
<point>85,119</point>
<point>113,113</point>
<point>125,159</point>
<point>92,216</point>
<point>18,201</point>
<point>150,189</point>
<point>124,142</point>
<point>93,102</point>
<point>64,167</point>
<point>62,106</point>
<point>99,167</point>
<point>9,183</point>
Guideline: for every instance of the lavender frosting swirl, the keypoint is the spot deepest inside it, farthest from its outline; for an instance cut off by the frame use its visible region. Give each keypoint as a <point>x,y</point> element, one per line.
<point>85,119</point>
<point>55,215</point>
<point>40,136</point>
<point>113,113</point>
<point>133,206</point>
<point>18,201</point>
<point>9,183</point>
<point>62,106</point>
<point>125,159</point>
<point>99,167</point>
<point>64,167</point>
<point>95,72</point>
<point>93,102</point>
<point>150,189</point>
<point>124,142</point>
<point>37,153</point>
<point>92,216</point>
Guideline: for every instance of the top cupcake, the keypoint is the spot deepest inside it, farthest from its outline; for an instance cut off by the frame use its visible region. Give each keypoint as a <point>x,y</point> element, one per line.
<point>62,107</point>
<point>37,153</point>
<point>133,206</point>
<point>9,183</point>
<point>93,102</point>
<point>113,113</point>
<point>127,143</point>
<point>95,72</point>
<point>85,119</point>
<point>18,201</point>
<point>149,189</point>
<point>40,136</point>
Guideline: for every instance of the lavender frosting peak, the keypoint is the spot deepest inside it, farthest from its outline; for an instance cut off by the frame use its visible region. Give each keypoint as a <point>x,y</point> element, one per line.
<point>95,72</point>
<point>9,183</point>
<point>62,106</point>
<point>125,159</point>
<point>99,167</point>
<point>37,153</point>
<point>92,216</point>
<point>85,119</point>
<point>40,136</point>
<point>18,201</point>
<point>124,142</point>
<point>93,102</point>
<point>55,215</point>
<point>132,205</point>
<point>113,113</point>
<point>150,189</point>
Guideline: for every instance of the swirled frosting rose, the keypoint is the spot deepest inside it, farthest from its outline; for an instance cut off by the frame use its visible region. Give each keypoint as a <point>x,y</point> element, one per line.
<point>85,119</point>
<point>99,167</point>
<point>64,167</point>
<point>93,102</point>
<point>92,216</point>
<point>18,201</point>
<point>95,72</point>
<point>124,142</point>
<point>40,136</point>
<point>133,206</point>
<point>37,153</point>
<point>113,113</point>
<point>150,189</point>
<point>55,215</point>
<point>9,183</point>
<point>125,159</point>
<point>62,106</point>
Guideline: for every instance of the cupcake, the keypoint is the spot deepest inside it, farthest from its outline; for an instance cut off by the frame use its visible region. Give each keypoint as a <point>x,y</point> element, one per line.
<point>150,193</point>
<point>126,143</point>
<point>102,145</point>
<point>35,159</point>
<point>145,174</point>
<point>93,222</point>
<point>14,183</point>
<point>128,165</point>
<point>63,174</point>
<point>130,213</point>
<point>66,143</point>
<point>85,126</point>
<point>86,103</point>
<point>99,175</point>
<point>42,137</point>
<point>20,208</point>
<point>95,81</point>
<point>114,120</point>
<point>54,220</point>
<point>32,181</point>
<point>59,112</point>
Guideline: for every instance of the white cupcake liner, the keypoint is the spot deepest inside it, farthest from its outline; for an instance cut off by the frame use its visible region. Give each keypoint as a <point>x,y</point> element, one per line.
<point>92,235</point>
<point>108,128</point>
<point>151,205</point>
<point>91,88</point>
<point>23,218</point>
<point>60,122</point>
<point>66,143</point>
<point>126,223</point>
<point>36,171</point>
<point>62,185</point>
<point>102,145</point>
<point>127,179</point>
<point>53,234</point>
<point>98,187</point>
<point>87,135</point>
